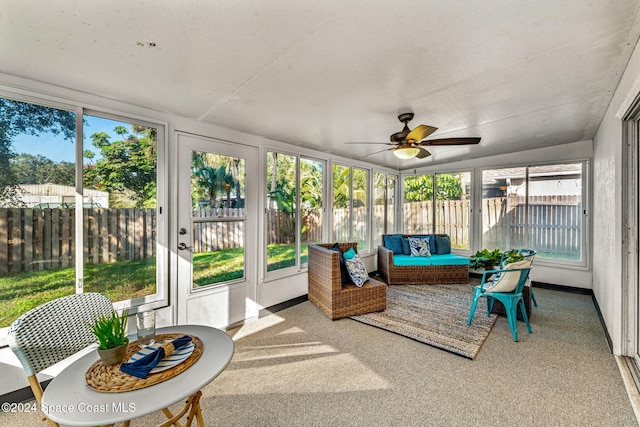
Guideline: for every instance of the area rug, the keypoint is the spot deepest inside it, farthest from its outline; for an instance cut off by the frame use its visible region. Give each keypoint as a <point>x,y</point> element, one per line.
<point>435,315</point>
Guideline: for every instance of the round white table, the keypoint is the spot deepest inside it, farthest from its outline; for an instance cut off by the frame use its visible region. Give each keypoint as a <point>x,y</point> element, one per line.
<point>70,401</point>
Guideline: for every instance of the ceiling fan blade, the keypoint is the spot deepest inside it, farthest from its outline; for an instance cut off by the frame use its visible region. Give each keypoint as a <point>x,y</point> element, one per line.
<point>420,133</point>
<point>379,143</point>
<point>422,153</point>
<point>377,152</point>
<point>450,141</point>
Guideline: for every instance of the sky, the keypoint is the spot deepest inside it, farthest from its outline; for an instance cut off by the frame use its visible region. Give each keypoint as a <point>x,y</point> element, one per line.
<point>54,147</point>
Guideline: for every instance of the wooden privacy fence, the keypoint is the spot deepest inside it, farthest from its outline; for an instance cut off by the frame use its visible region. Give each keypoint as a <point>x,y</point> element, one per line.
<point>281,226</point>
<point>44,239</point>
<point>222,232</point>
<point>452,218</point>
<point>551,224</point>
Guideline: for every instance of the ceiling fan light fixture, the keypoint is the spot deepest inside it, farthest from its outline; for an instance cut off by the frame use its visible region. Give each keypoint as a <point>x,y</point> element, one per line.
<point>406,152</point>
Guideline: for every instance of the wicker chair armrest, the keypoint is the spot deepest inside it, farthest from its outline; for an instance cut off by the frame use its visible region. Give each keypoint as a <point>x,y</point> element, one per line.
<point>325,265</point>
<point>385,261</point>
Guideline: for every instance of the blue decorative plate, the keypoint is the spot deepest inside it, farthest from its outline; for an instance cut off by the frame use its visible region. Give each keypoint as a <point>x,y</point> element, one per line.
<point>177,357</point>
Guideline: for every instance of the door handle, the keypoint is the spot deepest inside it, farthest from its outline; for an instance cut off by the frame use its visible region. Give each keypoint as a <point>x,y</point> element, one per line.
<point>183,246</point>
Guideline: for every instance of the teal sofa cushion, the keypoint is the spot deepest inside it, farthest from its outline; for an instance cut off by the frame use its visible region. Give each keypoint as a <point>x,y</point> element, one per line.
<point>437,260</point>
<point>411,261</point>
<point>449,259</point>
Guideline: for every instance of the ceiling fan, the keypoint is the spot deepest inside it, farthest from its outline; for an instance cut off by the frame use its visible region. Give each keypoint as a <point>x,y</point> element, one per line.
<point>408,143</point>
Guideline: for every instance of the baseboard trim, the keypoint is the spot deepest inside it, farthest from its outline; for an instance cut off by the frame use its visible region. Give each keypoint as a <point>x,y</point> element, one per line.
<point>23,394</point>
<point>562,288</point>
<point>281,306</point>
<point>602,323</point>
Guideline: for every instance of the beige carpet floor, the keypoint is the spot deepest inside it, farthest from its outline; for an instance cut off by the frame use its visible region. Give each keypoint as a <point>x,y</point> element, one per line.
<point>298,368</point>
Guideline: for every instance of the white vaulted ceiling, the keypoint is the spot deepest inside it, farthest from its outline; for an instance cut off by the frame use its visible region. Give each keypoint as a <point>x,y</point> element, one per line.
<point>519,74</point>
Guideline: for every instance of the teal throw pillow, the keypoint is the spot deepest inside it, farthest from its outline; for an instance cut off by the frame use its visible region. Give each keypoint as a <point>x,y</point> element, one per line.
<point>443,245</point>
<point>357,270</point>
<point>406,249</point>
<point>433,244</point>
<point>393,242</point>
<point>349,254</point>
<point>419,246</point>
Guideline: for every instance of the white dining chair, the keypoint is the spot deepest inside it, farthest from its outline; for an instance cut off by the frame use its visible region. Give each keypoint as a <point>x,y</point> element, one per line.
<point>54,331</point>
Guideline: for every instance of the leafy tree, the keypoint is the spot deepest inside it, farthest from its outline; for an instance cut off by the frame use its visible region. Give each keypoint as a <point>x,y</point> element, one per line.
<point>310,184</point>
<point>341,186</point>
<point>30,169</point>
<point>23,118</point>
<point>216,175</point>
<point>448,187</point>
<point>420,188</point>
<point>127,165</point>
<point>282,188</point>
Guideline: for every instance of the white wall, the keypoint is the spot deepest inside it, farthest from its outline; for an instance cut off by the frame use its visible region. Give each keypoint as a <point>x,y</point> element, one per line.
<point>608,282</point>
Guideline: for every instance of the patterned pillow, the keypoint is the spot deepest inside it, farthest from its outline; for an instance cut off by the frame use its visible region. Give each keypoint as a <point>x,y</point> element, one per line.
<point>419,246</point>
<point>357,270</point>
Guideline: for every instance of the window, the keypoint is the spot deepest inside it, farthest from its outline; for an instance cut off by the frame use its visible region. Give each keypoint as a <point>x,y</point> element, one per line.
<point>450,194</point>
<point>62,232</point>
<point>218,195</point>
<point>119,207</point>
<point>292,182</point>
<point>452,207</point>
<point>350,210</point>
<point>418,204</point>
<point>536,207</point>
<point>281,209</point>
<point>311,187</point>
<point>384,196</point>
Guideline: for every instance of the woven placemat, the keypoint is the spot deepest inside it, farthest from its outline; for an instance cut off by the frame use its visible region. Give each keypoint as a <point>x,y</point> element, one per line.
<point>110,379</point>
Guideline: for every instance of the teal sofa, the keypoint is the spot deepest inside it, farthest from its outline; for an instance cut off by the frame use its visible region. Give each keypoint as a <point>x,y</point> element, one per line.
<point>397,267</point>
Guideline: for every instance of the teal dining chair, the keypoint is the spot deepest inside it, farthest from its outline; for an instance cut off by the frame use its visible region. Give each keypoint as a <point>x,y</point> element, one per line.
<point>506,288</point>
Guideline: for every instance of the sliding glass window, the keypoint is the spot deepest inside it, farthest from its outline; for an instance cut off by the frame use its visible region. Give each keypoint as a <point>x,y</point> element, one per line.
<point>350,209</point>
<point>76,219</point>
<point>536,207</point>
<point>311,207</point>
<point>293,215</point>
<point>439,204</point>
<point>384,196</point>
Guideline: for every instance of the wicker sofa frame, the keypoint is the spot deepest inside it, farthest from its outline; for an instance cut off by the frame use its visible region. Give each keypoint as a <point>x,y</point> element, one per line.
<point>418,275</point>
<point>330,295</point>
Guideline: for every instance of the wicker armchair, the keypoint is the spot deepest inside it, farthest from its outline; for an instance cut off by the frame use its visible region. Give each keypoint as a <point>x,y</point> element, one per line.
<point>326,289</point>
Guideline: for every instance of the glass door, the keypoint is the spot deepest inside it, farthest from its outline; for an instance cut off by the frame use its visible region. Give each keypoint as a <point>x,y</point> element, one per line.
<point>216,224</point>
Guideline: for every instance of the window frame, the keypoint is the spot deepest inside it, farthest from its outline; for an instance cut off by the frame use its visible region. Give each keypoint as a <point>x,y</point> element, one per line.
<point>298,265</point>
<point>368,238</point>
<point>133,305</point>
<point>585,232</point>
<point>433,216</point>
<point>385,229</point>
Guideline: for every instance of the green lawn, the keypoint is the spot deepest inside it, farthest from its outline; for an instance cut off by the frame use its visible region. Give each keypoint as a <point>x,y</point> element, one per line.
<point>120,281</point>
<point>21,292</point>
<point>283,256</point>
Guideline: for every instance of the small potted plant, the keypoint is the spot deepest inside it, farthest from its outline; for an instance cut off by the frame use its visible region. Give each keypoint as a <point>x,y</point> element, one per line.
<point>111,336</point>
<point>513,255</point>
<point>490,259</point>
<point>487,259</point>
